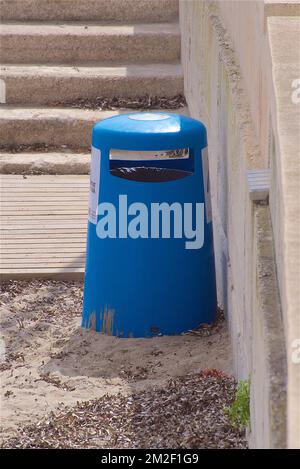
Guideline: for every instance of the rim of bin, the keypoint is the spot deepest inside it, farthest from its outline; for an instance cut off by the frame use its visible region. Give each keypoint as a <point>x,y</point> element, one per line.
<point>149,131</point>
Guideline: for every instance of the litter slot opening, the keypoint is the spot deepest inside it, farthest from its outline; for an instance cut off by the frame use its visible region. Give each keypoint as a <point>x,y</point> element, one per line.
<point>149,174</point>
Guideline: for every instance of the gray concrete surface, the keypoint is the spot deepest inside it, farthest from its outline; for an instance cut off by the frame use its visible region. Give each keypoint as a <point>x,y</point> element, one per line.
<point>241,84</point>
<point>74,42</point>
<point>36,84</point>
<point>81,10</point>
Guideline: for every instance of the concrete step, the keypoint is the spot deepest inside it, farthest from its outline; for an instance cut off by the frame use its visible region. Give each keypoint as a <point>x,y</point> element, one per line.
<point>72,42</point>
<point>46,163</point>
<point>35,85</point>
<point>51,126</point>
<point>82,10</point>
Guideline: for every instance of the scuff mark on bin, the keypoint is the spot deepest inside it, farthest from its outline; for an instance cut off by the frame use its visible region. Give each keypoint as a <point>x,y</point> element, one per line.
<point>91,322</point>
<point>154,330</point>
<point>107,319</point>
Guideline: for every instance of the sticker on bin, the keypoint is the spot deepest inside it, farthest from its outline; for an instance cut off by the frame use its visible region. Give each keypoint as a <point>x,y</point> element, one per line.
<point>94,185</point>
<point>148,155</point>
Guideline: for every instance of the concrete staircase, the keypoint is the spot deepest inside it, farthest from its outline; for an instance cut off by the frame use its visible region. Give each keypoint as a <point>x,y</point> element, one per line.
<point>55,53</point>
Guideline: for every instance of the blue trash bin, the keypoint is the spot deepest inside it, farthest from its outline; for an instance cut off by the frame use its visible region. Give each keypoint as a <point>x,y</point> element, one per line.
<point>149,264</point>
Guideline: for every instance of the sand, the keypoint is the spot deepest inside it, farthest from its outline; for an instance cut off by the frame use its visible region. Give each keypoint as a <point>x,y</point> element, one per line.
<point>48,361</point>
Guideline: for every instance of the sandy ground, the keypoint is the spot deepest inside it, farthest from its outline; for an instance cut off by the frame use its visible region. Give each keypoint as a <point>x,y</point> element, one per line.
<point>49,361</point>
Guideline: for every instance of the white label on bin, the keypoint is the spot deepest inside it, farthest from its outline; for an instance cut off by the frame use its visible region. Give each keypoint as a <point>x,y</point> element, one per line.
<point>94,185</point>
<point>206,183</point>
<point>148,155</point>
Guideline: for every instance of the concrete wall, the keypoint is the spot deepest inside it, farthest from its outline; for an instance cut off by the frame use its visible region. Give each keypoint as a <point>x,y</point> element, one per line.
<point>284,46</point>
<point>229,84</point>
<point>268,370</point>
<point>244,21</point>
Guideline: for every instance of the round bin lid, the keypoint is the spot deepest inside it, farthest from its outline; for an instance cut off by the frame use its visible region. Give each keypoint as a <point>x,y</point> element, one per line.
<point>149,131</point>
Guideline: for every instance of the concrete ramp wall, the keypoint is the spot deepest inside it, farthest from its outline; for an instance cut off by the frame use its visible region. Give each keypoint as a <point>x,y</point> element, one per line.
<point>234,81</point>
